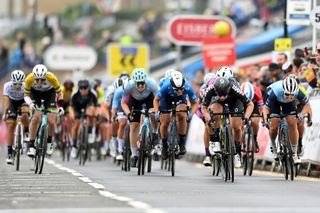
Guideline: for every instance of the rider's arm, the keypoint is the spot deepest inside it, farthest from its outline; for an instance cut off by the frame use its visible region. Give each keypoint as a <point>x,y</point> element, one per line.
<point>304,102</point>
<point>206,101</point>
<point>156,104</point>
<point>71,112</point>
<point>124,105</point>
<point>269,102</point>
<point>5,101</point>
<point>236,93</point>
<point>193,99</point>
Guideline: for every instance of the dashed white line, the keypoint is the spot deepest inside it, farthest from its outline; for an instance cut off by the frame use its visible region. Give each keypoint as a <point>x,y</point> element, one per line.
<point>134,203</point>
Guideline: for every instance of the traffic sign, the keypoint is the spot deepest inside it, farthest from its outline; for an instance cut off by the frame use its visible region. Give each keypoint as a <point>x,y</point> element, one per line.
<point>70,57</point>
<point>315,17</point>
<point>282,44</point>
<point>298,12</point>
<point>219,52</point>
<point>193,29</point>
<point>127,57</point>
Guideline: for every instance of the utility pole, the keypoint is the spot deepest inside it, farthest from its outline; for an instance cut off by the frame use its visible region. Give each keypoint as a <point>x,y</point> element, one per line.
<point>285,26</point>
<point>33,24</point>
<point>178,47</point>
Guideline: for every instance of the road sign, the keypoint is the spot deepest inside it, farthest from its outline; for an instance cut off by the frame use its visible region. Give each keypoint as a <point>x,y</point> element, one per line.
<point>193,29</point>
<point>298,12</point>
<point>315,17</point>
<point>219,52</point>
<point>282,44</point>
<point>127,57</point>
<point>70,58</point>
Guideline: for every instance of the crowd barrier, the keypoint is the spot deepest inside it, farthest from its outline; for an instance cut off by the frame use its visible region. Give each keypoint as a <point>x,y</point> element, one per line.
<point>311,138</point>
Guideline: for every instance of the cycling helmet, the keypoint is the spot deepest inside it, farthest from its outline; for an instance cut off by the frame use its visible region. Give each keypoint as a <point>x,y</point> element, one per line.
<point>117,83</point>
<point>177,80</point>
<point>208,76</point>
<point>287,67</point>
<point>83,83</point>
<point>290,85</point>
<point>17,76</point>
<point>68,84</point>
<point>139,75</point>
<point>222,86</point>
<point>247,89</point>
<point>169,73</point>
<point>225,72</point>
<point>40,71</point>
<point>124,74</point>
<point>125,82</point>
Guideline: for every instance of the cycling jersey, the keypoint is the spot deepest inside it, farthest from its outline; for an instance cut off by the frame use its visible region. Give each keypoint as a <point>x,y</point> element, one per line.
<point>162,80</point>
<point>276,93</point>
<point>234,93</point>
<point>167,89</point>
<point>100,94</point>
<point>150,88</point>
<point>257,98</point>
<point>116,103</point>
<point>79,101</point>
<point>10,91</point>
<point>51,81</point>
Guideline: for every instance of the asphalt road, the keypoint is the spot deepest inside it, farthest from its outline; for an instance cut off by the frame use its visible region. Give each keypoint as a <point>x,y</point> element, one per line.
<point>103,187</point>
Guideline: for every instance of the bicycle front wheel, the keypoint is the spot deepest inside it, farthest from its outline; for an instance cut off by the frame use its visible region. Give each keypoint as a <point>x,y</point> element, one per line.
<point>43,146</point>
<point>18,145</point>
<point>230,155</point>
<point>250,150</point>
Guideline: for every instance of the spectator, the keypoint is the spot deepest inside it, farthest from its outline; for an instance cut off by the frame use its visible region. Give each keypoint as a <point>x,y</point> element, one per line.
<point>146,28</point>
<point>236,13</point>
<point>164,43</point>
<point>57,35</point>
<point>4,56</point>
<point>21,39</point>
<point>282,58</point>
<point>264,13</point>
<point>16,58</point>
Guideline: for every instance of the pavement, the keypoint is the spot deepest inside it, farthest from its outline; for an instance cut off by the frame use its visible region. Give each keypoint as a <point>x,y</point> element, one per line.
<point>103,187</point>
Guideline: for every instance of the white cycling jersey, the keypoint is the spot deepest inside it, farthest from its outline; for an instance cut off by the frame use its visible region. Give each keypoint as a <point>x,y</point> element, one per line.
<point>10,91</point>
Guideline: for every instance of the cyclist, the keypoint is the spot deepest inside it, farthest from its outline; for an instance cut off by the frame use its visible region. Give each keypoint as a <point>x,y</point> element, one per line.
<point>41,84</point>
<point>174,89</point>
<point>254,94</point>
<point>203,88</point>
<point>283,95</point>
<point>13,93</point>
<point>140,91</point>
<point>118,114</point>
<point>84,98</point>
<point>219,93</point>
<point>67,90</point>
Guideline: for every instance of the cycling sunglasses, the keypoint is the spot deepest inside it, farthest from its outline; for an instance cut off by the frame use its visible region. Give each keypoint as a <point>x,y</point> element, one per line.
<point>17,84</point>
<point>178,89</point>
<point>39,79</point>
<point>83,87</point>
<point>140,83</point>
<point>288,94</point>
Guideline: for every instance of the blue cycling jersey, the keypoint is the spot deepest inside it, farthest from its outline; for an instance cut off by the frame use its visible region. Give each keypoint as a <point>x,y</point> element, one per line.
<point>162,80</point>
<point>276,93</point>
<point>116,104</point>
<point>167,89</point>
<point>150,87</point>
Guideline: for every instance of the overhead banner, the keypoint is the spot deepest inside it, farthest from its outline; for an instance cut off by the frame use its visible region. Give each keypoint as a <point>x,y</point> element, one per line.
<point>298,12</point>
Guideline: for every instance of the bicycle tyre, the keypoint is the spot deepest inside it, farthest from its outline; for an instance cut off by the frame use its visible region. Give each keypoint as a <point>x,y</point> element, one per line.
<point>251,151</point>
<point>230,155</point>
<point>245,151</point>
<point>173,160</point>
<point>290,163</point>
<point>86,144</point>
<point>43,144</point>
<point>18,146</point>
<point>143,144</point>
<point>224,165</point>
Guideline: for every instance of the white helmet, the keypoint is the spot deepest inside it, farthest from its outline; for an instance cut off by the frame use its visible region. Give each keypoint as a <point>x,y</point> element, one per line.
<point>169,72</point>
<point>247,89</point>
<point>290,85</point>
<point>208,76</point>
<point>40,71</point>
<point>125,82</point>
<point>225,72</point>
<point>177,80</point>
<point>117,83</point>
<point>17,76</point>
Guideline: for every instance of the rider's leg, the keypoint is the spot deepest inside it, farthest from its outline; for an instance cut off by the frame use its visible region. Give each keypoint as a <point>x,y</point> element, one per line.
<point>11,124</point>
<point>182,127</point>
<point>121,133</point>
<point>25,118</point>
<point>33,127</point>
<point>293,132</point>
<point>255,127</point>
<point>206,135</point>
<point>74,131</point>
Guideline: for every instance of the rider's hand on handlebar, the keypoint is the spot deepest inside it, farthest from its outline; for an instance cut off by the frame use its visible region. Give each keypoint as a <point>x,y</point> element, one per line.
<point>32,106</point>
<point>60,111</point>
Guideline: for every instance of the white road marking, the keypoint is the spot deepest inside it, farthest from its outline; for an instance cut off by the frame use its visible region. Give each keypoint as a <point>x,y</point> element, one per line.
<point>140,206</point>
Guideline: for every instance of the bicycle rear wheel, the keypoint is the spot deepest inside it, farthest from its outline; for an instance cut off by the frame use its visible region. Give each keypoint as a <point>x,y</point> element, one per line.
<point>172,160</point>
<point>245,151</point>
<point>290,163</point>
<point>142,152</point>
<point>127,150</point>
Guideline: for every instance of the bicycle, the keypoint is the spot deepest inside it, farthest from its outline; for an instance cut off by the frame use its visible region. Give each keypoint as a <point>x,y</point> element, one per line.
<point>42,137</point>
<point>65,138</point>
<point>283,149</point>
<point>248,148</point>
<point>126,150</point>
<point>83,138</point>
<point>173,148</point>
<point>224,161</point>
<point>18,140</point>
<point>145,139</point>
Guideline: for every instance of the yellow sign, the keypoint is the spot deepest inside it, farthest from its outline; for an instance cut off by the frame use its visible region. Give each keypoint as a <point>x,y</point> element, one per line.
<point>127,57</point>
<point>282,44</point>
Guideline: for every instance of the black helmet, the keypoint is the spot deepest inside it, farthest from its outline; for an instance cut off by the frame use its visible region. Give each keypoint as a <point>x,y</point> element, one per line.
<point>222,86</point>
<point>83,83</point>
